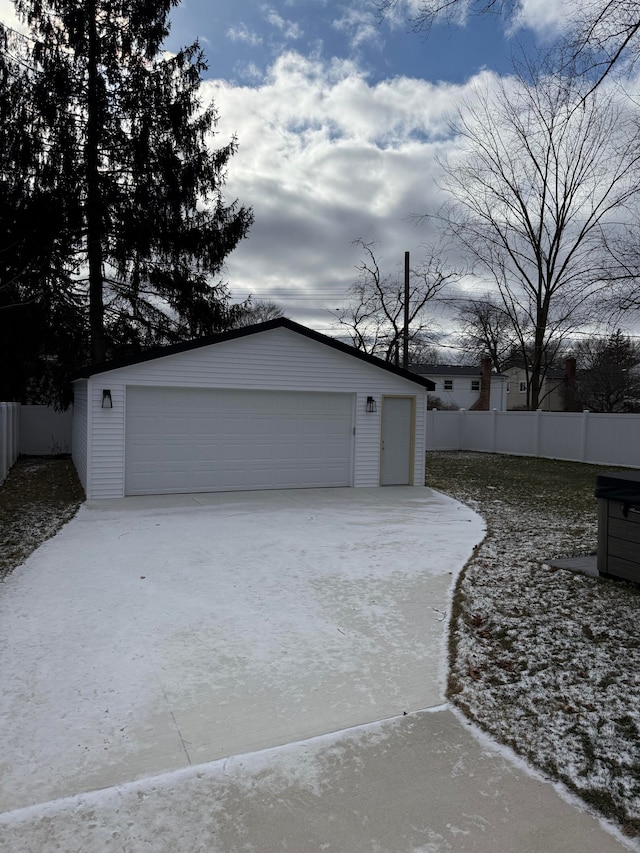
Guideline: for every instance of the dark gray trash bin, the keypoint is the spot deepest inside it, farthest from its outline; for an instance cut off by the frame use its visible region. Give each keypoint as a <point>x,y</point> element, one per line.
<point>619,524</point>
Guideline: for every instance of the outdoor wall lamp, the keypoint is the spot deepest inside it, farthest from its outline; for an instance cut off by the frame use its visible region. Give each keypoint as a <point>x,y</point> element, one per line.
<point>107,402</point>
<point>372,406</point>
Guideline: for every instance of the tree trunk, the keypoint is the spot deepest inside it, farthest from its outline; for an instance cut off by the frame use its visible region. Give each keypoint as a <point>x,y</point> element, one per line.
<point>94,201</point>
<point>542,319</point>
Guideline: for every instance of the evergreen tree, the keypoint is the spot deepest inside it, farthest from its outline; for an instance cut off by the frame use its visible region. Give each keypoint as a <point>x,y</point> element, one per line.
<point>41,328</point>
<point>140,230</point>
<point>608,378</point>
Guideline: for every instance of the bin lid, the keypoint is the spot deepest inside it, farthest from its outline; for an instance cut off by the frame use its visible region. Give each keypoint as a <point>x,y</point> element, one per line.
<point>621,486</point>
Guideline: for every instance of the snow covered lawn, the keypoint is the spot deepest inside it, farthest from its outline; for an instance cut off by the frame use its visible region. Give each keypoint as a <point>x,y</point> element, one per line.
<point>547,661</point>
<point>38,497</point>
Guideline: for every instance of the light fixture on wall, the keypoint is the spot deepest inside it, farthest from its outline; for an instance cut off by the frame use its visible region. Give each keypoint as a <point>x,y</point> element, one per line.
<point>372,406</point>
<point>107,402</point>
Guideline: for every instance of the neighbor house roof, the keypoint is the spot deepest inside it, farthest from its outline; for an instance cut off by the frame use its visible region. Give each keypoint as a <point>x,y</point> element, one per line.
<point>447,370</point>
<point>450,370</point>
<point>246,331</point>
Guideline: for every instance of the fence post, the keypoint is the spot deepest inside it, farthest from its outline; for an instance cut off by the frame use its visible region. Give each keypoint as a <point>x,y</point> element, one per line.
<point>4,441</point>
<point>494,430</point>
<point>8,441</point>
<point>16,432</point>
<point>9,431</point>
<point>462,431</point>
<point>584,428</point>
<point>537,435</point>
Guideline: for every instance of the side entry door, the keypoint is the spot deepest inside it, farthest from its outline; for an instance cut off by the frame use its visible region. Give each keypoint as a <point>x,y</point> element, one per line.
<point>397,441</point>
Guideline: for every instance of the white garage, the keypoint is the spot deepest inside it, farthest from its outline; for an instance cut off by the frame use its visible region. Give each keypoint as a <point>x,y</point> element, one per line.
<point>271,406</point>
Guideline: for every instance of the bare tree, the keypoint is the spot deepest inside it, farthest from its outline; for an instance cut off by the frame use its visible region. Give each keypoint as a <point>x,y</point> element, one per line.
<point>257,312</point>
<point>487,330</point>
<point>541,174</point>
<point>375,315</point>
<point>423,351</point>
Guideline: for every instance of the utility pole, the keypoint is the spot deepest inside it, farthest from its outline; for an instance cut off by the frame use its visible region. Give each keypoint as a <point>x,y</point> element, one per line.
<point>405,340</point>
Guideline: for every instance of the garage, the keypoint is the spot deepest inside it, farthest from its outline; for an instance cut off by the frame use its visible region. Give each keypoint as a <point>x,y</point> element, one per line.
<point>199,440</point>
<point>270,406</point>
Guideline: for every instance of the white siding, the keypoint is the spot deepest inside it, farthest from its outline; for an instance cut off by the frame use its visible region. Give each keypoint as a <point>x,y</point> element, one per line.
<point>420,438</point>
<point>461,395</point>
<point>80,430</point>
<point>107,445</point>
<point>278,359</point>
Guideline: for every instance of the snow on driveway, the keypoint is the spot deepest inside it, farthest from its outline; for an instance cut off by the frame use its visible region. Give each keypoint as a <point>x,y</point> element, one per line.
<point>151,634</point>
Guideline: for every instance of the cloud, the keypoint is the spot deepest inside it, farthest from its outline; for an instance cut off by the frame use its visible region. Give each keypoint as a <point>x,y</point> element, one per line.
<point>290,30</point>
<point>326,157</point>
<point>360,26</point>
<point>547,18</point>
<point>242,33</point>
<point>249,72</point>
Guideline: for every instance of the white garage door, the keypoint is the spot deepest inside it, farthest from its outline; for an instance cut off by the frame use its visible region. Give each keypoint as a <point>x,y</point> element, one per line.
<point>199,440</point>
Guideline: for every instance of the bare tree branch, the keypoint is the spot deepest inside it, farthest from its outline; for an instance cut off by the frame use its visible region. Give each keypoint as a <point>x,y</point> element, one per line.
<point>448,12</point>
<point>603,38</point>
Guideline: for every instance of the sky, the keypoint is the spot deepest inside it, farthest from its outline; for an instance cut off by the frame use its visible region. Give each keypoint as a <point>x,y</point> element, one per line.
<point>340,120</point>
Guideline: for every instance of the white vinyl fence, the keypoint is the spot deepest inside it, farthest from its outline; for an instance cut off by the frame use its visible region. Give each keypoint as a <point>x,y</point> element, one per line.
<point>44,432</point>
<point>32,431</point>
<point>575,436</point>
<point>9,420</point>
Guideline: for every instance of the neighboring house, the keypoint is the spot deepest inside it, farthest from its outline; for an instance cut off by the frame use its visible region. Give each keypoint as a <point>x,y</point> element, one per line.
<point>557,392</point>
<point>270,406</point>
<point>466,387</point>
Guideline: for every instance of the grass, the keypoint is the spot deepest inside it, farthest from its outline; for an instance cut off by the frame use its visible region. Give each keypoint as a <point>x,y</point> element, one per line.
<point>38,497</point>
<point>543,659</point>
<point>522,483</point>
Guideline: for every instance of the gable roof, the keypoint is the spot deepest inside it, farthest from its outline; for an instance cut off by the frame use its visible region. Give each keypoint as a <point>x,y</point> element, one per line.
<point>450,370</point>
<point>446,370</point>
<point>279,323</point>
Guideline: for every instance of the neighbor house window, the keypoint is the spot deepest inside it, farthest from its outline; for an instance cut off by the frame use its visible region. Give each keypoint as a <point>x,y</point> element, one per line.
<point>523,387</point>
<point>508,387</point>
<point>475,384</point>
<point>448,384</point>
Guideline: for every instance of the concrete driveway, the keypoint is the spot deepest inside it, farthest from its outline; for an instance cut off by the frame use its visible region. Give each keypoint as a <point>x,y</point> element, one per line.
<point>154,633</point>
<point>255,671</point>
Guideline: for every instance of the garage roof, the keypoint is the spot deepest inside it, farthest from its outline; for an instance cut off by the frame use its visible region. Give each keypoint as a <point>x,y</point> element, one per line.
<point>280,323</point>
